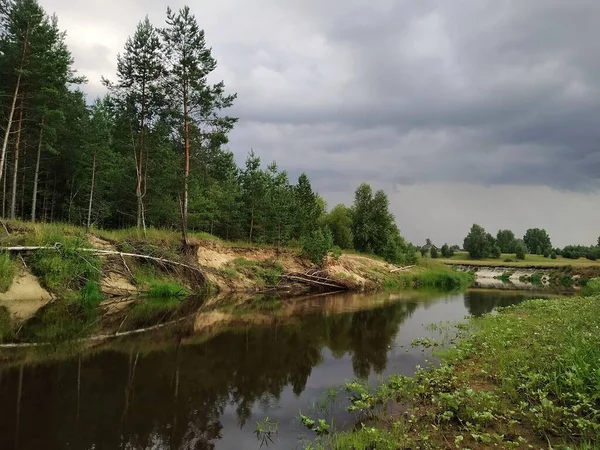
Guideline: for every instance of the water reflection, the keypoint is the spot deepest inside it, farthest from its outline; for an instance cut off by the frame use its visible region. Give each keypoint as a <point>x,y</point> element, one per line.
<point>202,395</point>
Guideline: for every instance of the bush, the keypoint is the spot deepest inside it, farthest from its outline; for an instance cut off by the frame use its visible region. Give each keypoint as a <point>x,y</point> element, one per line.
<point>592,287</point>
<point>434,253</point>
<point>496,252</point>
<point>477,242</point>
<point>336,252</point>
<point>447,252</point>
<point>553,255</point>
<point>520,250</point>
<point>423,251</point>
<point>316,246</point>
<point>546,253</point>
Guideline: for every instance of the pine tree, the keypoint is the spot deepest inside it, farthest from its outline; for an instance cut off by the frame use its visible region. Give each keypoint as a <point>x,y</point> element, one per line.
<point>138,91</point>
<point>195,104</point>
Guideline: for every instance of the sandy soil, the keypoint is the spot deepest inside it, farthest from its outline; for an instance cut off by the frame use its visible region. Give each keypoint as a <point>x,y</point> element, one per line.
<point>25,297</point>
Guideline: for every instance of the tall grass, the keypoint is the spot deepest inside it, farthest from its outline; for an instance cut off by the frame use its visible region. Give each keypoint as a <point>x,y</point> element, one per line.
<point>439,278</point>
<point>7,271</point>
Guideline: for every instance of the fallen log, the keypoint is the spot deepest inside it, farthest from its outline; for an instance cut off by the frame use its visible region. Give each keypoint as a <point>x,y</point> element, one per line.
<point>313,282</point>
<point>400,269</point>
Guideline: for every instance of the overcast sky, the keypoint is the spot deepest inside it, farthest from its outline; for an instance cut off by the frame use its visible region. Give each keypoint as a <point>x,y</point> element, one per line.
<point>463,111</point>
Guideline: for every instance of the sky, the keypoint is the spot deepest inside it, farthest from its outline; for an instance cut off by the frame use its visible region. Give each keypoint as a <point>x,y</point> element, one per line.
<point>463,111</point>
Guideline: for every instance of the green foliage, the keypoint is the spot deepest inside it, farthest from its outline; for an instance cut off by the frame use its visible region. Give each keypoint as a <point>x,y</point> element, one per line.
<point>317,246</point>
<point>438,278</point>
<point>498,387</point>
<point>265,430</point>
<point>66,268</point>
<point>339,221</point>
<point>268,272</point>
<point>447,252</point>
<point>496,252</point>
<point>537,241</point>
<point>166,289</point>
<point>434,252</point>
<point>7,271</point>
<point>506,241</point>
<point>592,287</point>
<point>477,242</point>
<point>520,250</point>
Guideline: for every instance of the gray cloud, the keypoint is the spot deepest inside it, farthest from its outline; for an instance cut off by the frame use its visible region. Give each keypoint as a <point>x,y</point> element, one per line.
<point>405,94</point>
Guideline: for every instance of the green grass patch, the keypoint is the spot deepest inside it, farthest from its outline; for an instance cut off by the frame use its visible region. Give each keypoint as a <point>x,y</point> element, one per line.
<point>508,260</point>
<point>266,272</point>
<point>157,284</point>
<point>441,278</point>
<point>65,269</point>
<point>592,287</point>
<point>526,377</point>
<point>8,270</point>
<point>166,289</point>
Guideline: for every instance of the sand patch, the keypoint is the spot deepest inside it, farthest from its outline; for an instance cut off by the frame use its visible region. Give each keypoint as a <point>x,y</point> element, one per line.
<point>25,296</point>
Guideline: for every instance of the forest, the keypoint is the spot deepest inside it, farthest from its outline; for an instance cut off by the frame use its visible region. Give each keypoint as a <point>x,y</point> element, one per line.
<point>152,152</point>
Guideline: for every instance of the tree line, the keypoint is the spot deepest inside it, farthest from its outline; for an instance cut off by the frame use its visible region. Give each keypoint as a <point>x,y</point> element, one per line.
<point>536,241</point>
<point>152,151</point>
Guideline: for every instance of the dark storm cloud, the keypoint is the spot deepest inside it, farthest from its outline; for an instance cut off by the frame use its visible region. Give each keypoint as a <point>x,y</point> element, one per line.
<point>404,94</point>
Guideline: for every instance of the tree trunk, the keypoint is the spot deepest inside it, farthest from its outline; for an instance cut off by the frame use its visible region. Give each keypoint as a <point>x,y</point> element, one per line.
<point>186,172</point>
<point>23,176</point>
<point>4,194</point>
<point>89,215</point>
<point>13,106</point>
<point>141,217</point>
<point>37,173</point>
<point>13,199</point>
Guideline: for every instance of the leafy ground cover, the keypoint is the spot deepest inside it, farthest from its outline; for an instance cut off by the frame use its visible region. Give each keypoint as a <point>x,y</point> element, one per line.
<point>526,377</point>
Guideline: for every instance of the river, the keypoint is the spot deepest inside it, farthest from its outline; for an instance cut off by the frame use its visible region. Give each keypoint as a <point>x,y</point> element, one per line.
<point>208,390</point>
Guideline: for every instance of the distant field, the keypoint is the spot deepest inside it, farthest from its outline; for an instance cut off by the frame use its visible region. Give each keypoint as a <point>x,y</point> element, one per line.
<point>530,261</point>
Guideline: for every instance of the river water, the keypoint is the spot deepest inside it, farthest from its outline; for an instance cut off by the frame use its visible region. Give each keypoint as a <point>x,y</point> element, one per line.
<point>207,390</point>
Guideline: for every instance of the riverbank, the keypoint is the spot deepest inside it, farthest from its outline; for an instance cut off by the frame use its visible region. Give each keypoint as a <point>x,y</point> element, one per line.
<point>527,377</point>
<point>62,283</point>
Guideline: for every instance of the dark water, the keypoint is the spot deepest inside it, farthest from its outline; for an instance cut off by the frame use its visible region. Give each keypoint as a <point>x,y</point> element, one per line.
<point>209,392</point>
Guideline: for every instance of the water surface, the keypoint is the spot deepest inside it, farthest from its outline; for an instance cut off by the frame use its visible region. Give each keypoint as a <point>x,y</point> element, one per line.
<point>207,391</point>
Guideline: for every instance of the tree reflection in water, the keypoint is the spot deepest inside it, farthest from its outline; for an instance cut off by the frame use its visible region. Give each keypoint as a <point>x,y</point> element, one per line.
<point>174,398</point>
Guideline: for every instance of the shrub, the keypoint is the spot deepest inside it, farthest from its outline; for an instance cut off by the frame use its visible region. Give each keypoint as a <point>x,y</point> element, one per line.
<point>316,246</point>
<point>553,255</point>
<point>434,253</point>
<point>336,252</point>
<point>423,251</point>
<point>446,252</point>
<point>520,250</point>
<point>496,252</point>
<point>592,287</point>
<point>546,253</point>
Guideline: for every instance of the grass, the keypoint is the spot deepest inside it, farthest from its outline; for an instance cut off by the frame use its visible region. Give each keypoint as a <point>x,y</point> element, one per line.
<point>7,271</point>
<point>266,272</point>
<point>432,275</point>
<point>530,261</point>
<point>157,284</point>
<point>526,377</point>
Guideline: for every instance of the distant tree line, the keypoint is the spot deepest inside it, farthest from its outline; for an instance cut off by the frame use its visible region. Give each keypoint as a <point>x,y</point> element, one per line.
<point>152,152</point>
<point>480,244</point>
